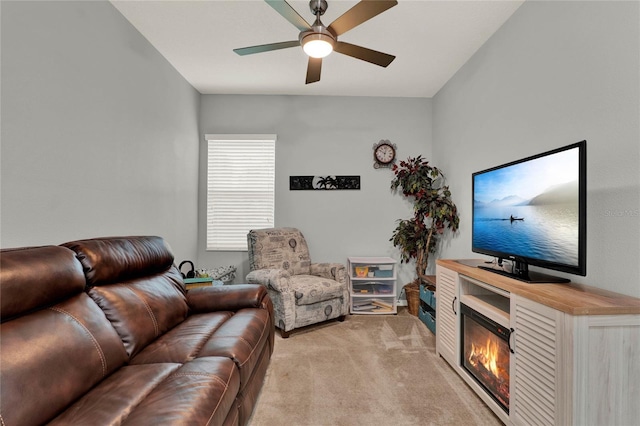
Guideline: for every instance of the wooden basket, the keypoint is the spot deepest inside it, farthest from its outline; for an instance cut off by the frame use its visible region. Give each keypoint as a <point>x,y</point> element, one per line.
<point>412,292</point>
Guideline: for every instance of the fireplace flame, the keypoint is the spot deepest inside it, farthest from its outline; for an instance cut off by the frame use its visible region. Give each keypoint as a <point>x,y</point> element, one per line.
<point>487,355</point>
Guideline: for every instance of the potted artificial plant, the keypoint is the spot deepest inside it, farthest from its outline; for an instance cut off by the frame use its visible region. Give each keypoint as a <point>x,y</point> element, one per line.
<point>433,213</point>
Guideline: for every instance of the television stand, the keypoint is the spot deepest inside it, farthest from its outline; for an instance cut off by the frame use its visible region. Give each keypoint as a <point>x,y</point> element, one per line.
<point>567,340</point>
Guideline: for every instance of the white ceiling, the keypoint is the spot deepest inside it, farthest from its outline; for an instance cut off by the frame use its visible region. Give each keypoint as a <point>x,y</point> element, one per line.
<point>430,39</point>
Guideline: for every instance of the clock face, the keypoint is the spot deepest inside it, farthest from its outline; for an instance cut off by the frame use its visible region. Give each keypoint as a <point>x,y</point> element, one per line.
<point>385,154</point>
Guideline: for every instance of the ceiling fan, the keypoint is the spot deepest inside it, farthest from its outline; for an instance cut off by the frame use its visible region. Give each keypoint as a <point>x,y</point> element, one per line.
<point>318,41</point>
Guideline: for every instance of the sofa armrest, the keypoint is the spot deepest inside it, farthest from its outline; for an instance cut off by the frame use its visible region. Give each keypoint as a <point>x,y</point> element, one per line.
<point>275,279</point>
<point>333,271</point>
<point>228,298</point>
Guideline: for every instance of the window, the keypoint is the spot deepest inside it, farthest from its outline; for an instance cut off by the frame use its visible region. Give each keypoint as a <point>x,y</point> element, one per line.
<point>240,188</point>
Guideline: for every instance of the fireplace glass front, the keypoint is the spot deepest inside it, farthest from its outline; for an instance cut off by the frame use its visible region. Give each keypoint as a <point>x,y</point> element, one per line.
<point>486,353</point>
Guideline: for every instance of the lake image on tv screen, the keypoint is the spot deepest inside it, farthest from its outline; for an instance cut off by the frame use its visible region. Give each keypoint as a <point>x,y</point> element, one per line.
<point>529,209</point>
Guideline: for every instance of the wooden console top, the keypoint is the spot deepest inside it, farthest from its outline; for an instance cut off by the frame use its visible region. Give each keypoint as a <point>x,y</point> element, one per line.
<point>572,298</point>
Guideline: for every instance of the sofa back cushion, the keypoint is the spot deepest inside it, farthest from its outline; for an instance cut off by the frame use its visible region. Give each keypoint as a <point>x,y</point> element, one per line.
<point>37,277</point>
<point>56,342</point>
<point>279,248</point>
<point>134,281</point>
<point>116,259</point>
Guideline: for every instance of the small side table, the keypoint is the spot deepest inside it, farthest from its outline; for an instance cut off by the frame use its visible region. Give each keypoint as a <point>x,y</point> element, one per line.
<point>200,282</point>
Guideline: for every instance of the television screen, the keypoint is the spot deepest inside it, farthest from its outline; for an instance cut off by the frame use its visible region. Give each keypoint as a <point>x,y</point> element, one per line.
<point>533,211</point>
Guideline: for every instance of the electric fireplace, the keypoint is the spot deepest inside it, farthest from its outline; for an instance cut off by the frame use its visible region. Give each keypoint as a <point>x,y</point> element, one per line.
<point>486,353</point>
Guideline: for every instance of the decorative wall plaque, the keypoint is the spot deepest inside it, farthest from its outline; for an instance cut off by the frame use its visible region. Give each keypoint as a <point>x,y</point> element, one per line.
<point>300,183</point>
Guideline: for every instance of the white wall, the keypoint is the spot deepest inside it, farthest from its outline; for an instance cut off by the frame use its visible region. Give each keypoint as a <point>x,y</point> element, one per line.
<point>554,74</point>
<point>99,132</point>
<point>325,136</point>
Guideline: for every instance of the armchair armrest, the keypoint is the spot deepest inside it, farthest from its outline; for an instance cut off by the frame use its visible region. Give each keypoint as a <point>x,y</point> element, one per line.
<point>333,271</point>
<point>228,298</point>
<point>276,279</point>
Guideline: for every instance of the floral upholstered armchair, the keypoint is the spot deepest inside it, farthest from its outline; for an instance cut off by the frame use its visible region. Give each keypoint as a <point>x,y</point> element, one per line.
<point>303,293</point>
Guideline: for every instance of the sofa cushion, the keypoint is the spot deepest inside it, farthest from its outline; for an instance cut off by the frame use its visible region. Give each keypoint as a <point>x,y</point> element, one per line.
<point>37,277</point>
<point>242,338</point>
<point>51,357</point>
<point>110,402</point>
<point>200,392</point>
<point>56,342</point>
<point>143,309</point>
<point>134,281</point>
<point>183,342</point>
<point>309,289</point>
<point>115,259</point>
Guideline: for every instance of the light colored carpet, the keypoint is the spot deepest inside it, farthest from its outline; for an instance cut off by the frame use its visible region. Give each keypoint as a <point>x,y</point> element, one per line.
<point>367,370</point>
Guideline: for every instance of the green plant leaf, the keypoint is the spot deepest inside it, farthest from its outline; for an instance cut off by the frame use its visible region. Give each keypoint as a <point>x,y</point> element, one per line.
<point>433,210</point>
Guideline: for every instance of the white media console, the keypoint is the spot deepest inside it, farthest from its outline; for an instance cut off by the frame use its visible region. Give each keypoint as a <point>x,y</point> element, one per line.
<point>576,349</point>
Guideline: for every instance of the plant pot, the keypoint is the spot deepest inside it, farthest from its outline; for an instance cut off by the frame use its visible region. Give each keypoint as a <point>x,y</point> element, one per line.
<point>412,292</point>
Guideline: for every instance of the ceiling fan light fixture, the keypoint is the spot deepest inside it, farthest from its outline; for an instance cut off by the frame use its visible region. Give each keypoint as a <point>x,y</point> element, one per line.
<point>317,45</point>
<point>319,41</point>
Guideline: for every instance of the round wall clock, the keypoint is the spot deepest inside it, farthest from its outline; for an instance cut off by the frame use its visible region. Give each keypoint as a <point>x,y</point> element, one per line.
<point>384,154</point>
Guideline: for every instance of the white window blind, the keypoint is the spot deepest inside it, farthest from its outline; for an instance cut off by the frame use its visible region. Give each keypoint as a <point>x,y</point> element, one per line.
<point>240,188</point>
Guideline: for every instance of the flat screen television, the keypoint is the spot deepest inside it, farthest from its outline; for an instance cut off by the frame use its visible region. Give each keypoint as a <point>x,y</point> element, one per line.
<point>533,212</point>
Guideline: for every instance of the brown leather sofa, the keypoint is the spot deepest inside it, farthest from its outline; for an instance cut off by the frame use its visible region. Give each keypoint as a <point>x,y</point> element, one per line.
<point>103,332</point>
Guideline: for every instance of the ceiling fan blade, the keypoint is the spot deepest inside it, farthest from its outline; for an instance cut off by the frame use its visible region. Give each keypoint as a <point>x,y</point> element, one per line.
<point>358,14</point>
<point>359,52</point>
<point>289,13</point>
<point>313,70</point>
<point>266,47</point>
